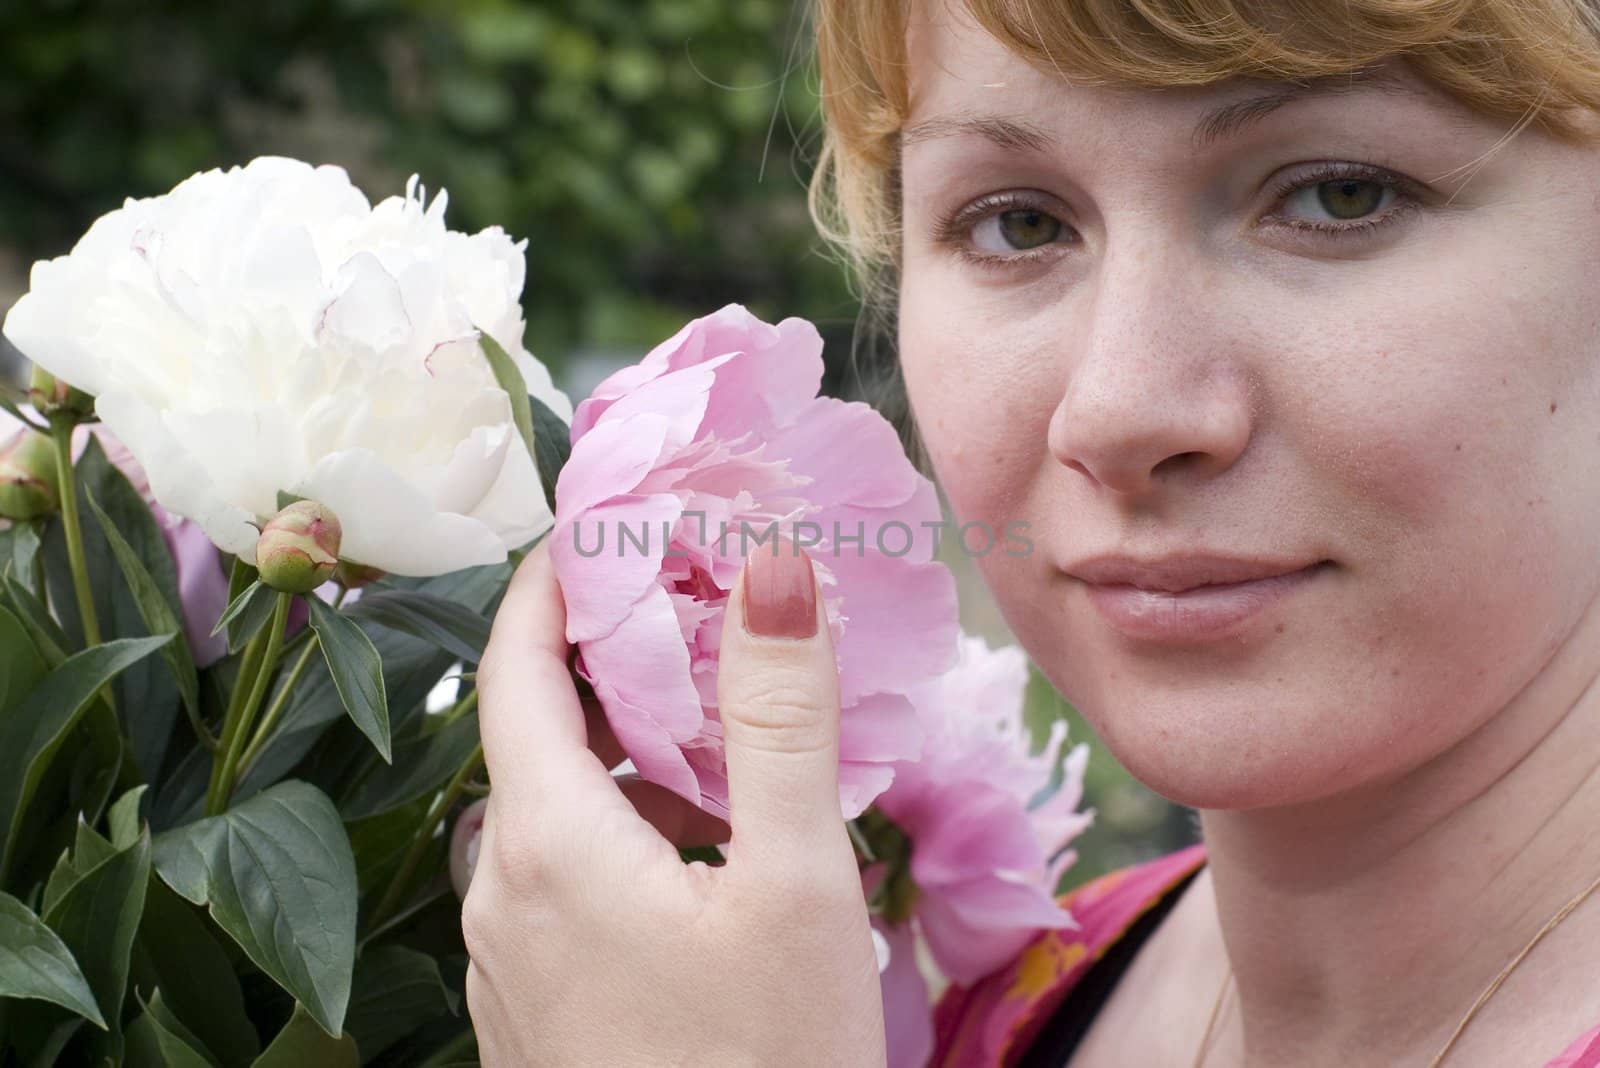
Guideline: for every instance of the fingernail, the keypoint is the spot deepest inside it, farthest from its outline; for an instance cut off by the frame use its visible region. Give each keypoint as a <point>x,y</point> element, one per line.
<point>780,596</point>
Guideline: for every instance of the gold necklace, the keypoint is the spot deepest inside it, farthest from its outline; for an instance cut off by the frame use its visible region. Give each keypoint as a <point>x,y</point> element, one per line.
<point>1488,992</point>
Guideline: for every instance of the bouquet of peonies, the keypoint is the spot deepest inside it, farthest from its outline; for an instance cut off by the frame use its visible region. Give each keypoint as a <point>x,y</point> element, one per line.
<point>281,451</point>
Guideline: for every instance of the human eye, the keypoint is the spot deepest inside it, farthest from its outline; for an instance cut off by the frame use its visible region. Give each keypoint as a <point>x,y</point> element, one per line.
<point>1341,201</point>
<point>1006,228</point>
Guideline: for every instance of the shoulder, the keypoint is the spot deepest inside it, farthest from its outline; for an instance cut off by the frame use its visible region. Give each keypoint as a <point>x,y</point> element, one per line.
<point>992,1021</point>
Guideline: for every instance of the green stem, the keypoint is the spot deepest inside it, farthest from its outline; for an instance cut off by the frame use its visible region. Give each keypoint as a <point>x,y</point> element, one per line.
<point>419,842</point>
<point>459,709</point>
<point>61,426</point>
<point>279,703</point>
<point>260,657</point>
<point>243,683</point>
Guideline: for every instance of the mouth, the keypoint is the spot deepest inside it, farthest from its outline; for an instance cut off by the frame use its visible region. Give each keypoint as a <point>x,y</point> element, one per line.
<point>1191,599</point>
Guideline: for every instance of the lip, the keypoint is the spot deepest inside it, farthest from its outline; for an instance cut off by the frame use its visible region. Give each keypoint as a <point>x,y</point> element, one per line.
<point>1189,598</point>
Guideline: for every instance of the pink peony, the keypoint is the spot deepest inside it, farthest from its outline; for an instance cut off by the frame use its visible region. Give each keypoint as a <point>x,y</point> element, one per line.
<point>988,835</point>
<point>679,463</point>
<point>986,852</point>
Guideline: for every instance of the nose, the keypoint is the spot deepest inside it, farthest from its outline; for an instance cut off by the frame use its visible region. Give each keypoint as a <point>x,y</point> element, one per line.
<point>1157,389</point>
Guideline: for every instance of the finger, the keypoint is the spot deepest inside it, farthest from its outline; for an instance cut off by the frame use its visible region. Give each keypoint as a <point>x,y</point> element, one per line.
<point>680,822</point>
<point>778,698</point>
<point>530,717</point>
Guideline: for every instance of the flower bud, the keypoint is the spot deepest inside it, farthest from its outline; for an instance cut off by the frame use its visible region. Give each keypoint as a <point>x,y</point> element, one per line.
<point>48,394</point>
<point>464,842</point>
<point>354,576</point>
<point>298,548</point>
<point>30,486</point>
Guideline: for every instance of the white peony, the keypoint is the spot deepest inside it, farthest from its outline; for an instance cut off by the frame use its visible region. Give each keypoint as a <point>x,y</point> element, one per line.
<point>265,329</point>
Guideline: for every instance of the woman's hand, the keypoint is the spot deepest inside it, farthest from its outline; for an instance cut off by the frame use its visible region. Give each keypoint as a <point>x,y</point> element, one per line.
<point>592,943</point>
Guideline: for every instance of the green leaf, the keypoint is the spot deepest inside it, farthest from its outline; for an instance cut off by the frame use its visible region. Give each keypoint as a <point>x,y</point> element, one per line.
<point>35,963</point>
<point>423,764</point>
<point>357,672</point>
<point>397,990</point>
<point>160,615</point>
<point>507,374</point>
<point>156,1040</point>
<point>31,732</point>
<point>246,614</point>
<point>45,632</point>
<point>285,499</point>
<point>21,666</point>
<point>379,843</point>
<point>124,818</point>
<point>176,951</point>
<point>411,669</point>
<point>89,850</point>
<point>552,440</point>
<point>302,1043</point>
<point>278,876</point>
<point>97,919</point>
<point>18,545</point>
<point>10,402</point>
<point>450,625</point>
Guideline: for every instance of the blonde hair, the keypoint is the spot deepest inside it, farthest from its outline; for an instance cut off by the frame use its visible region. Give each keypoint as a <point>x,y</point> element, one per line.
<point>1532,61</point>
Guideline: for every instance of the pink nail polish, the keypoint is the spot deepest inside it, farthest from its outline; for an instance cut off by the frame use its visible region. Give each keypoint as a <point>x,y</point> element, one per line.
<point>780,596</point>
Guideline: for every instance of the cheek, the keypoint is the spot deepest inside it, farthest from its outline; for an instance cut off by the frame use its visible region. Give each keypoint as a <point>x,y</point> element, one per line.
<point>982,391</point>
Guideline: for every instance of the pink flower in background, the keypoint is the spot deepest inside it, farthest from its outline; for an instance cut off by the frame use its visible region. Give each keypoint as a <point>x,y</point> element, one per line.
<point>988,832</point>
<point>678,463</point>
<point>465,838</point>
<point>202,585</point>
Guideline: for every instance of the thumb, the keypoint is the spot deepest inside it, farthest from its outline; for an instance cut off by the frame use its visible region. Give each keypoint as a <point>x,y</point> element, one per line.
<point>778,697</point>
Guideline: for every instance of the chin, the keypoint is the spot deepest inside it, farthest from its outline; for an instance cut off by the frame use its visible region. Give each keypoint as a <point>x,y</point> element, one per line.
<point>1233,754</point>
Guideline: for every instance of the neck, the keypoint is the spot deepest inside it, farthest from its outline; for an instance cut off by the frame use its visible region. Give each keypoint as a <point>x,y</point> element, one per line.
<point>1360,929</point>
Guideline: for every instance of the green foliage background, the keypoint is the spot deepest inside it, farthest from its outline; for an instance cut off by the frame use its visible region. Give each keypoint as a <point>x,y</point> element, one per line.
<point>652,153</point>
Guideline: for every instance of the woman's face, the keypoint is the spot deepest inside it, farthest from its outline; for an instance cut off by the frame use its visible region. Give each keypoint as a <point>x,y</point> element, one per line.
<point>1323,342</point>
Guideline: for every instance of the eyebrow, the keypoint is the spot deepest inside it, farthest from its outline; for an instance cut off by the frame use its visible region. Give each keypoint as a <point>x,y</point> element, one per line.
<point>1220,122</point>
<point>1229,120</point>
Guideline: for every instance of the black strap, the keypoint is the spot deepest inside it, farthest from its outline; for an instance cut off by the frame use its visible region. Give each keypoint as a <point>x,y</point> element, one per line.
<point>1070,1022</point>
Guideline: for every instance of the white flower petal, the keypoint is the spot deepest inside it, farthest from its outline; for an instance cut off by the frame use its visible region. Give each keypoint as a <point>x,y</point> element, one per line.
<point>389,524</point>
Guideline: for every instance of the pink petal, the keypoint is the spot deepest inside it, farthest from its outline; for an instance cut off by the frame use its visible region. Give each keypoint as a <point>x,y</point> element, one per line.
<point>679,395</point>
<point>601,571</point>
<point>907,1010</point>
<point>608,462</point>
<point>880,727</point>
<point>860,784</point>
<point>652,749</point>
<point>645,664</point>
<point>981,829</point>
<point>967,953</point>
<point>901,623</point>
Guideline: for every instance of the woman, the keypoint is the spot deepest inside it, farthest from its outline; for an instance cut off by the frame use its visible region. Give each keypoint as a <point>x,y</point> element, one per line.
<point>1290,301</point>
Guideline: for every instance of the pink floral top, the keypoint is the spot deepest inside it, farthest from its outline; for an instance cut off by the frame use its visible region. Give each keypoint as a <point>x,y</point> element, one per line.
<point>993,1022</point>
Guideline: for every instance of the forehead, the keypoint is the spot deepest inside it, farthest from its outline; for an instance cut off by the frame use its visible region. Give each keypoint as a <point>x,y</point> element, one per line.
<point>957,71</point>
